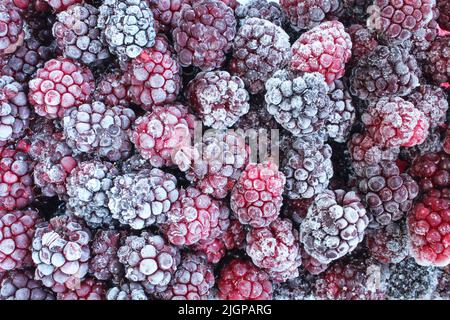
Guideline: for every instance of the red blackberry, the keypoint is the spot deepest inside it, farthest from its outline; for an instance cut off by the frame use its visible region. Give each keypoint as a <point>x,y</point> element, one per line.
<point>387,193</point>
<point>20,285</point>
<point>257,196</point>
<point>11,28</point>
<point>334,226</point>
<point>218,98</point>
<point>399,19</point>
<point>127,291</point>
<point>437,66</point>
<point>112,88</point>
<point>341,120</point>
<point>299,104</point>
<point>140,199</point>
<point>61,5</point>
<point>385,72</point>
<point>96,129</point>
<point>241,280</point>
<point>267,10</point>
<point>89,289</point>
<point>363,41</point>
<point>388,244</point>
<point>60,251</point>
<point>14,110</point>
<point>77,34</point>
<point>324,49</point>
<point>275,249</point>
<point>444,14</point>
<point>432,101</point>
<point>260,48</point>
<point>394,122</point>
<point>204,34</point>
<point>432,171</point>
<point>307,167</point>
<point>16,182</point>
<point>159,134</point>
<point>149,260</point>
<point>193,279</point>
<point>309,13</point>
<point>311,264</point>
<point>429,229</point>
<point>60,85</point>
<point>104,263</point>
<point>16,232</point>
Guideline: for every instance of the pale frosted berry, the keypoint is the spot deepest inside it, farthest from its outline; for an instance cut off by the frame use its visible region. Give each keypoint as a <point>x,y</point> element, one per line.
<point>342,119</point>
<point>20,285</point>
<point>267,10</point>
<point>11,28</point>
<point>89,289</point>
<point>127,291</point>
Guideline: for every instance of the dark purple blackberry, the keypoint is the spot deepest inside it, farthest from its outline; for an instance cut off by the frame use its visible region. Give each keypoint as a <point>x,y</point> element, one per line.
<point>260,48</point>
<point>299,104</point>
<point>356,10</point>
<point>432,101</point>
<point>342,118</point>
<point>423,38</point>
<point>111,89</point>
<point>299,288</point>
<point>267,10</point>
<point>127,291</point>
<point>431,171</point>
<point>20,285</point>
<point>104,263</point>
<point>388,244</point>
<point>444,14</point>
<point>437,66</point>
<point>364,41</point>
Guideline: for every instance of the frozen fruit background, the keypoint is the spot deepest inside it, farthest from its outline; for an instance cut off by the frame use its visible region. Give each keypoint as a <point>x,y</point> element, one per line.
<point>103,195</point>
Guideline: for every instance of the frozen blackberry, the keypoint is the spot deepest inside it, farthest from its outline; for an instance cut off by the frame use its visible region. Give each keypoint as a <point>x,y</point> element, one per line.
<point>89,289</point>
<point>204,34</point>
<point>104,263</point>
<point>219,98</point>
<point>387,193</point>
<point>234,236</point>
<point>20,285</point>
<point>267,10</point>
<point>87,187</point>
<point>112,88</point>
<point>127,27</point>
<point>214,250</point>
<point>423,38</point>
<point>385,72</point>
<point>140,199</point>
<point>299,288</point>
<point>14,110</point>
<point>127,291</point>
<point>78,36</point>
<point>167,13</point>
<point>341,120</point>
<point>388,244</point>
<point>307,167</point>
<point>299,104</point>
<point>334,226</point>
<point>11,26</point>
<point>431,171</point>
<point>437,66</point>
<point>60,251</point>
<point>149,260</point>
<point>275,249</point>
<point>96,129</point>
<point>260,48</point>
<point>363,41</point>
<point>432,101</point>
<point>311,264</point>
<point>357,10</point>
<point>61,5</point>
<point>444,14</point>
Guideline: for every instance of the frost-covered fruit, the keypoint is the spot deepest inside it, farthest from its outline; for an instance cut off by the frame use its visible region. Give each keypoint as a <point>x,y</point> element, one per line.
<point>437,66</point>
<point>60,85</point>
<point>234,236</point>
<point>267,10</point>
<point>444,14</point>
<point>214,249</point>
<point>431,171</point>
<point>32,5</point>
<point>97,129</point>
<point>432,101</point>
<point>242,280</point>
<point>275,249</point>
<point>89,289</point>
<point>78,36</point>
<point>311,264</point>
<point>159,134</point>
<point>408,280</point>
<point>149,260</point>
<point>385,72</point>
<point>310,13</point>
<point>61,5</point>
<point>387,193</point>
<point>256,198</point>
<point>422,39</point>
<point>193,217</point>
<point>16,181</point>
<point>127,27</point>
<point>11,28</point>
<point>112,88</point>
<point>307,167</point>
<point>429,229</point>
<point>154,77</point>
<point>215,163</point>
<point>297,209</point>
<point>167,13</point>
<point>334,226</point>
<point>140,199</point>
<point>388,244</point>
<point>127,291</point>
<point>104,263</point>
<point>363,41</point>
<point>394,122</point>
<point>218,98</point>
<point>193,279</point>
<point>357,10</point>
<point>14,110</point>
<point>16,232</point>
<point>397,20</point>
<point>324,49</point>
<point>60,251</point>
<point>86,187</point>
<point>20,285</point>
<point>260,48</point>
<point>342,118</point>
<point>299,288</point>
<point>204,34</point>
<point>54,159</point>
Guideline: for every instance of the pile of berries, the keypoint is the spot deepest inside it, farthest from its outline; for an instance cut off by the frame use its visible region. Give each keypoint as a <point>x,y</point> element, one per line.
<point>224,149</point>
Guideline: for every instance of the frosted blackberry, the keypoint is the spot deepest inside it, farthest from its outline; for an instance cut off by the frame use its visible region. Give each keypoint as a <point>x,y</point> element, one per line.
<point>140,199</point>
<point>86,187</point>
<point>128,27</point>
<point>267,10</point>
<point>166,13</point>
<point>432,101</point>
<point>11,26</point>
<point>388,244</point>
<point>364,41</point>
<point>89,289</point>
<point>96,129</point>
<point>127,291</point>
<point>437,66</point>
<point>20,285</point>
<point>260,48</point>
<point>341,120</point>
<point>104,263</point>
<point>299,288</point>
<point>299,104</point>
<point>111,89</point>
<point>431,171</point>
